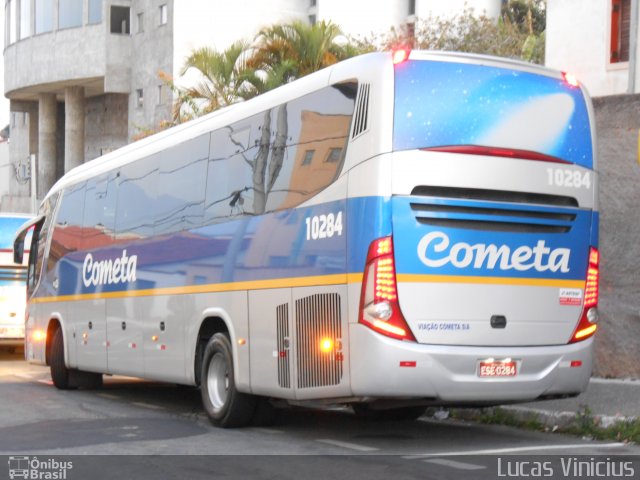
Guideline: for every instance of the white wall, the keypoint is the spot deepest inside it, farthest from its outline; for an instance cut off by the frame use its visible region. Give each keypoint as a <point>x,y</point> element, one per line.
<point>442,8</point>
<point>578,42</point>
<point>360,18</point>
<point>200,23</point>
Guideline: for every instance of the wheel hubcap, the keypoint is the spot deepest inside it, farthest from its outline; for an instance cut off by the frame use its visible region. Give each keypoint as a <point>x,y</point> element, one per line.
<point>218,381</point>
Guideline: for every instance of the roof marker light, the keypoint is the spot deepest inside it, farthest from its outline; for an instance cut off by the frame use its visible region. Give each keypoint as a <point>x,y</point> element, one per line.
<point>570,79</point>
<point>400,55</point>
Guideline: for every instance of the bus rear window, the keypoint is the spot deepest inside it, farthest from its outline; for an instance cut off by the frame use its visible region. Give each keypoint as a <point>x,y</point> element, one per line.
<point>444,104</point>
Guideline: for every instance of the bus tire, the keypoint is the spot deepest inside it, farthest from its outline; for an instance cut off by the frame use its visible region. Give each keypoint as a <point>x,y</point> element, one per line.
<point>225,406</point>
<point>59,371</point>
<point>364,410</point>
<point>85,380</point>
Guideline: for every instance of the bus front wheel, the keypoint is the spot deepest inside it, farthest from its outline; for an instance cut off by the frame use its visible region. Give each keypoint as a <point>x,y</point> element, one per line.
<point>225,406</point>
<point>59,371</point>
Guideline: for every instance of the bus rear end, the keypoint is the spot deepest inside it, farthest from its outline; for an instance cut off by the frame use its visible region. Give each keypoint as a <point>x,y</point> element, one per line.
<point>485,290</point>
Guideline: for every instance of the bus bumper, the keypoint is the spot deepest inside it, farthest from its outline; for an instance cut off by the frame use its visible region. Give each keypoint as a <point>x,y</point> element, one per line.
<point>382,367</point>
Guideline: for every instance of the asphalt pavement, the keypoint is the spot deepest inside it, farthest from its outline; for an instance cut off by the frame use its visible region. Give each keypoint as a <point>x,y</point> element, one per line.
<point>606,400</point>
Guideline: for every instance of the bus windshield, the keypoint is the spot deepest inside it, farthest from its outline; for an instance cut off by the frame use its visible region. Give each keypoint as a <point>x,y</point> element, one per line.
<point>446,104</point>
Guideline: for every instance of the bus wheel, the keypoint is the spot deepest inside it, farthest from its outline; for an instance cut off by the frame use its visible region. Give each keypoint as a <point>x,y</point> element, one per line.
<point>225,406</point>
<point>364,410</point>
<point>59,371</point>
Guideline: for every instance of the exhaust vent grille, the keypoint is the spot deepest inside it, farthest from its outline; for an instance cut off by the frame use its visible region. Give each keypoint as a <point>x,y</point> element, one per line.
<point>361,117</point>
<point>284,364</point>
<point>318,319</point>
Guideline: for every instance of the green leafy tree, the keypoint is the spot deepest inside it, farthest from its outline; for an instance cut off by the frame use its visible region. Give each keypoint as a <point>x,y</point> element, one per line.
<point>297,49</point>
<point>223,78</point>
<point>465,32</point>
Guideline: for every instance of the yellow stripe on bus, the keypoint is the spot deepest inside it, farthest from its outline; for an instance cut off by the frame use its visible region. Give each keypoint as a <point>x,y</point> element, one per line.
<point>530,282</point>
<point>316,281</point>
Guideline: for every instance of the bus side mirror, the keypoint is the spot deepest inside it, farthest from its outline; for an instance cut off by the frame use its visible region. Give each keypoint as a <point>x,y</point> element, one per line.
<point>18,251</point>
<point>18,240</point>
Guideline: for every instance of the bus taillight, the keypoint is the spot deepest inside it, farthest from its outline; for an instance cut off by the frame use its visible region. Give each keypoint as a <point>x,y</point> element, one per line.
<point>587,326</point>
<point>379,308</point>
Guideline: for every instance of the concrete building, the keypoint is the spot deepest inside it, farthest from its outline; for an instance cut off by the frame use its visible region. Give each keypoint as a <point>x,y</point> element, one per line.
<point>597,41</point>
<point>82,75</point>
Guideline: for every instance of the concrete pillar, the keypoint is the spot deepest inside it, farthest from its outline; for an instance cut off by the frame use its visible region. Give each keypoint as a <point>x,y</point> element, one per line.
<point>74,113</point>
<point>47,107</point>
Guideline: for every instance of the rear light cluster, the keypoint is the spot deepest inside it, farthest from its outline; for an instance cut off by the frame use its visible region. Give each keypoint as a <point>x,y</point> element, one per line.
<point>587,326</point>
<point>379,308</point>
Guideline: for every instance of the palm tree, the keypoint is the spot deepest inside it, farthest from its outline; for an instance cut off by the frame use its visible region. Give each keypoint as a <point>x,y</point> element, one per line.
<point>280,54</point>
<point>224,78</point>
<point>293,50</point>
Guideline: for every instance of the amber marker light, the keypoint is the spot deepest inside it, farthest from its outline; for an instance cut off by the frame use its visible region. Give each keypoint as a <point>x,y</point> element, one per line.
<point>326,345</point>
<point>38,336</point>
<point>241,341</point>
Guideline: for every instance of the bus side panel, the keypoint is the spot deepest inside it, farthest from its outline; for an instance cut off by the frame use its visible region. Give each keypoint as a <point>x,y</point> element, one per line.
<point>124,332</point>
<point>163,329</point>
<point>90,328</point>
<point>272,346</point>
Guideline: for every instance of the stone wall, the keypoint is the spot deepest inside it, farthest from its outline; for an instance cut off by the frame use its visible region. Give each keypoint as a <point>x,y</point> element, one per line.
<point>618,339</point>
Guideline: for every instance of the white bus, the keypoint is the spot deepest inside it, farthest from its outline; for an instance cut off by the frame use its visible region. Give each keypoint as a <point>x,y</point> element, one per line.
<point>13,295</point>
<point>389,233</point>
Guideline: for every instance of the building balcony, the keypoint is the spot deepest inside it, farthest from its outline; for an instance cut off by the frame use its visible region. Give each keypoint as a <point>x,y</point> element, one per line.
<point>89,56</point>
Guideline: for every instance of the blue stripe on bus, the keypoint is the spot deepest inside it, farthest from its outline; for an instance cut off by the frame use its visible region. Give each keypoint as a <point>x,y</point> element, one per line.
<point>281,245</point>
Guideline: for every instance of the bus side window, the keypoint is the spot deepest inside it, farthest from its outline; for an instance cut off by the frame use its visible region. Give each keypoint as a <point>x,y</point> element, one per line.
<point>67,232</point>
<point>99,220</point>
<point>137,193</point>
<point>237,152</point>
<point>39,243</point>
<point>317,129</point>
<point>181,186</point>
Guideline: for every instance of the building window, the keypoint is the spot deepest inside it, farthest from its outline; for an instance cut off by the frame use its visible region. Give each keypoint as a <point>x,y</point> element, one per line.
<point>308,156</point>
<point>44,16</point>
<point>163,14</point>
<point>69,13</point>
<point>334,155</point>
<point>95,11</point>
<point>120,20</point>
<point>25,19</point>
<point>139,98</point>
<point>312,3</point>
<point>13,19</point>
<point>412,7</point>
<point>312,19</point>
<point>140,22</point>
<point>620,30</point>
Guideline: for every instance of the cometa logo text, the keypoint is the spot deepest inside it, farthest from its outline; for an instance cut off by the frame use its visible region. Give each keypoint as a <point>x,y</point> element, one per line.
<point>435,250</point>
<point>108,272</point>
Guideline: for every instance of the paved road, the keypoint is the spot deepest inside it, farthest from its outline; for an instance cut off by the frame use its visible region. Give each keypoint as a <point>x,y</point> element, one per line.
<point>131,417</point>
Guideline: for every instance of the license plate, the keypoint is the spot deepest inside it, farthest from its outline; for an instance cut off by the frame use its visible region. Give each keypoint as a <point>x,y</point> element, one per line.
<point>498,369</point>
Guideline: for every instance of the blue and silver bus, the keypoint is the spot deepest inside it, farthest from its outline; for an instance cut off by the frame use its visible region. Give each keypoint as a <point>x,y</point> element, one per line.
<point>12,283</point>
<point>388,233</point>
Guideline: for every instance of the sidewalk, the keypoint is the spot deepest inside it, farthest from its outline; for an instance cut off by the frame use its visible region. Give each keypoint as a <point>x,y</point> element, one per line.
<point>609,400</point>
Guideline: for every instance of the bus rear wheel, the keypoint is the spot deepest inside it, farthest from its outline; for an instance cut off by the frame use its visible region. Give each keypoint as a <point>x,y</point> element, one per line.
<point>225,406</point>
